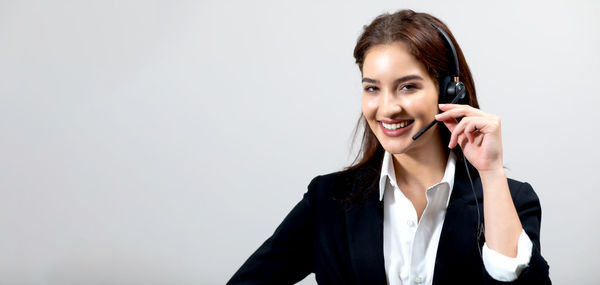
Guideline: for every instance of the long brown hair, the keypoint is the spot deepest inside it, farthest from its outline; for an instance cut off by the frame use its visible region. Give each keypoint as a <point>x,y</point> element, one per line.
<point>426,45</point>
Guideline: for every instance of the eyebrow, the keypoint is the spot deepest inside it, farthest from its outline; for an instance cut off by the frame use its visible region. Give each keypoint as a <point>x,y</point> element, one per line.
<point>397,81</point>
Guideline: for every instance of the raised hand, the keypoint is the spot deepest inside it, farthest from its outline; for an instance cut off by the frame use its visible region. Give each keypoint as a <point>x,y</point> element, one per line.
<point>478,133</point>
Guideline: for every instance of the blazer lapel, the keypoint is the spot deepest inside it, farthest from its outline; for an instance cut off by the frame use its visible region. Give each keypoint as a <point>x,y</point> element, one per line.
<point>364,224</point>
<point>458,242</point>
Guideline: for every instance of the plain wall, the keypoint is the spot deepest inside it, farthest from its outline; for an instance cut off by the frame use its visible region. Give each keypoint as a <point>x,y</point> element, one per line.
<point>139,139</point>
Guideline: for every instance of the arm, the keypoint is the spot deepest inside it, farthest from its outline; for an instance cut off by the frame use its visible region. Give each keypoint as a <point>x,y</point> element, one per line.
<point>285,257</point>
<point>479,136</point>
<point>502,224</point>
<point>535,270</point>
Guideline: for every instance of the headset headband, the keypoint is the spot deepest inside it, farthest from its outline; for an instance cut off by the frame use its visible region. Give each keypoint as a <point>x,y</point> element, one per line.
<point>451,46</point>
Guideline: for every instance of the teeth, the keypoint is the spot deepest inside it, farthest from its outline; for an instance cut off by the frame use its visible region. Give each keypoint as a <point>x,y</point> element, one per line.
<point>395,126</point>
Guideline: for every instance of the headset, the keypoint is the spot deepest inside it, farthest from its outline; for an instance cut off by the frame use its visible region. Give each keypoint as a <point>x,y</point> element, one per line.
<point>453,91</point>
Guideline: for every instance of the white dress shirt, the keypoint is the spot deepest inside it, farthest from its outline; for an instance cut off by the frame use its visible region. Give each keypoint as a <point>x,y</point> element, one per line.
<point>410,245</point>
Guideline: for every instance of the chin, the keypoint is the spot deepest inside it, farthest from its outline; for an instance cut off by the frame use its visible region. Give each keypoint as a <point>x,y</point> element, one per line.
<point>396,148</point>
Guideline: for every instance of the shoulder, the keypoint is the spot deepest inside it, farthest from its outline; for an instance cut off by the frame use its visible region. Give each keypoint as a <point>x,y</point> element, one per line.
<point>522,193</point>
<point>521,190</point>
<point>526,201</point>
<point>326,179</point>
<point>329,185</point>
<point>351,186</point>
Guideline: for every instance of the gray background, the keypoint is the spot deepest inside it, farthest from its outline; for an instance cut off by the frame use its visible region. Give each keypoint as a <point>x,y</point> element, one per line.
<point>161,142</point>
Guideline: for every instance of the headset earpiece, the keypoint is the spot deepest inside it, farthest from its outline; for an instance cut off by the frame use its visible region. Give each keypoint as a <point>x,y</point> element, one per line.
<point>449,90</point>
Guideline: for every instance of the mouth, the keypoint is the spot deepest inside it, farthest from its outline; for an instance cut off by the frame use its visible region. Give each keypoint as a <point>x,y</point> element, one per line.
<point>392,126</point>
<point>395,128</point>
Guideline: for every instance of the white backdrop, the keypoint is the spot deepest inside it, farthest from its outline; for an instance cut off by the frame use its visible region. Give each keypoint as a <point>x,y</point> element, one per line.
<point>139,139</point>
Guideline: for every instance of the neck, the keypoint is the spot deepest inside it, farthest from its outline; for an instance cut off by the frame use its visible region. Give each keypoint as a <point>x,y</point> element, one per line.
<point>423,167</point>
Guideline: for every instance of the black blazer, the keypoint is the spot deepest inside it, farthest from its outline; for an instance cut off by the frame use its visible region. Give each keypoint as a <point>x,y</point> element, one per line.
<point>343,243</point>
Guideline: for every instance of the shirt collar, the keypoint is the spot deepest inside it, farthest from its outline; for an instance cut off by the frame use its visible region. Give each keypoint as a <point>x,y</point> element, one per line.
<point>388,172</point>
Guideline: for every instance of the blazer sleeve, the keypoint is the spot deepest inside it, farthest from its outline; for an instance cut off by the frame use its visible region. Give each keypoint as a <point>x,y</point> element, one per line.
<point>529,210</point>
<point>287,256</point>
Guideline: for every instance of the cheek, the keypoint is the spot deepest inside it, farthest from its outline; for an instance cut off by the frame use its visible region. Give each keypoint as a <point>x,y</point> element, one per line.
<point>369,106</point>
<point>433,102</point>
<point>424,105</point>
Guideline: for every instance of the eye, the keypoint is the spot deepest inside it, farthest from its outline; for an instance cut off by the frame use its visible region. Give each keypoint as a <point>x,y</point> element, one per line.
<point>370,89</point>
<point>409,87</point>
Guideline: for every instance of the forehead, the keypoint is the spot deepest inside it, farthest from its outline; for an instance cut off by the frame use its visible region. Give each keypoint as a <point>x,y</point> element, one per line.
<point>391,60</point>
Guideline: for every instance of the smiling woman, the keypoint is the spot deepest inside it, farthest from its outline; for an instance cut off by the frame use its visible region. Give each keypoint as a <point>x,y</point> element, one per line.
<point>406,212</point>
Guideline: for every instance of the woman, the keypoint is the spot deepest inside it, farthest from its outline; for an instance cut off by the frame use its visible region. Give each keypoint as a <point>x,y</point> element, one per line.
<point>410,210</point>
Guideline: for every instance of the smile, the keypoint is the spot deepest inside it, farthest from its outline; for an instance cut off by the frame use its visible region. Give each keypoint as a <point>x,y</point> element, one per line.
<point>396,126</point>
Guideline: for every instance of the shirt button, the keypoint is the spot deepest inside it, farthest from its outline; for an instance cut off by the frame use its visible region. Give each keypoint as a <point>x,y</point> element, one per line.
<point>410,223</point>
<point>418,280</point>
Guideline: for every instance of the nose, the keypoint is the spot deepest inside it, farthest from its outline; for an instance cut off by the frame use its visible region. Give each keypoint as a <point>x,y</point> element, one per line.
<point>391,104</point>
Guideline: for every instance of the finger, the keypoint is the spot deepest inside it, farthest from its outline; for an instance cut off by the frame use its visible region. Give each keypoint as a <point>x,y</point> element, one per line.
<point>470,136</point>
<point>451,124</point>
<point>478,139</point>
<point>472,128</point>
<point>453,137</point>
<point>458,130</point>
<point>445,107</point>
<point>474,132</point>
<point>462,140</point>
<point>457,111</point>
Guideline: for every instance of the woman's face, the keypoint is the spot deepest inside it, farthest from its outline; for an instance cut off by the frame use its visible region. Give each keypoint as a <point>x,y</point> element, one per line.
<point>399,97</point>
